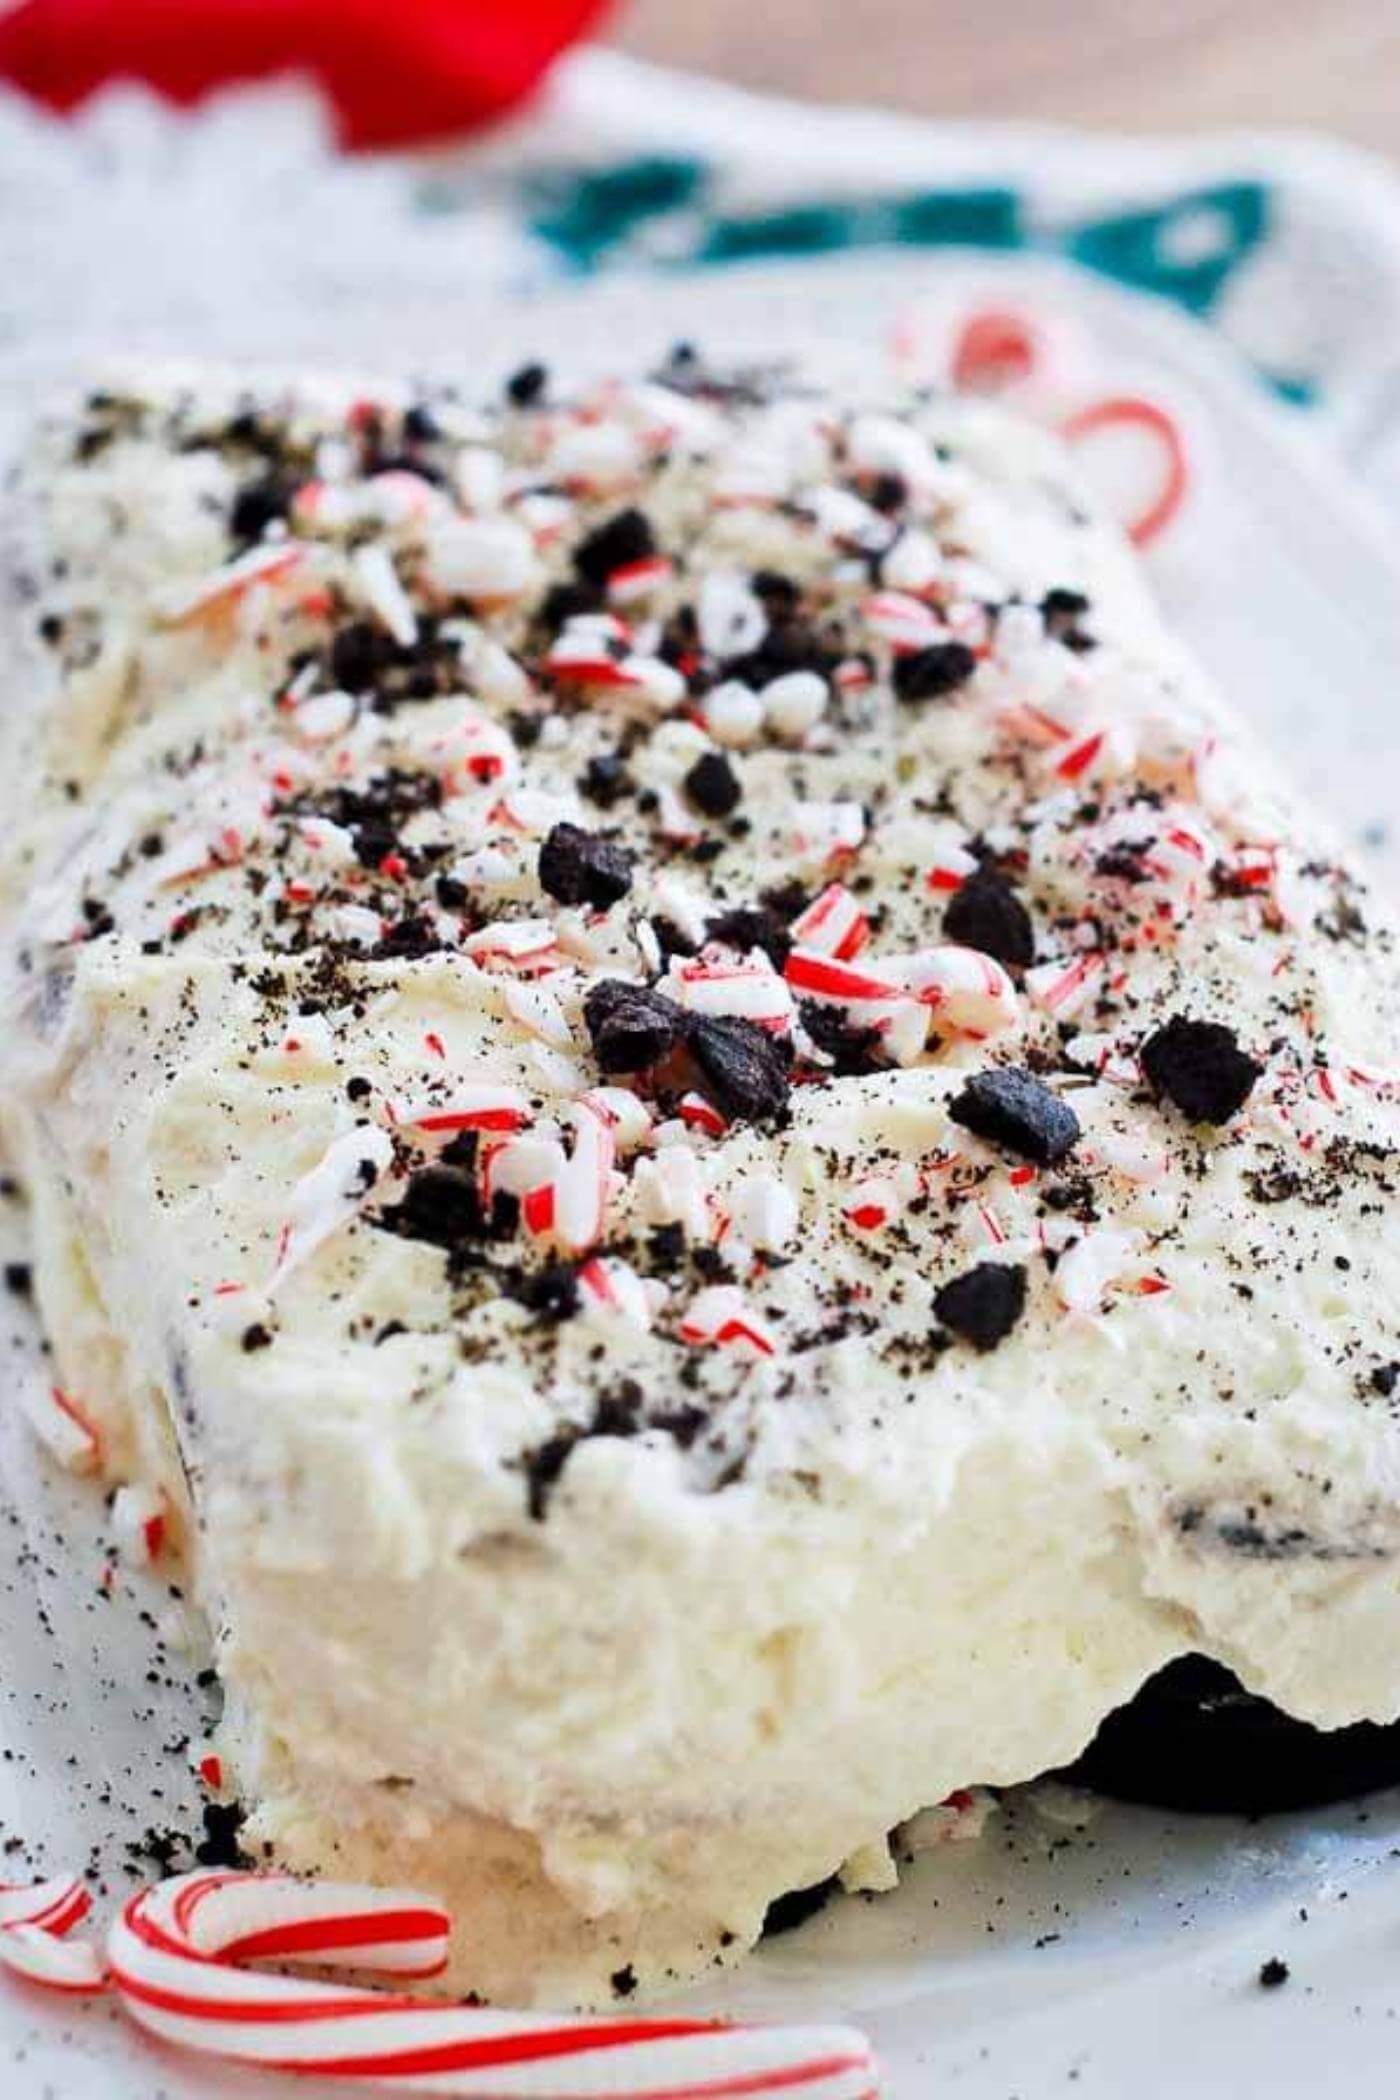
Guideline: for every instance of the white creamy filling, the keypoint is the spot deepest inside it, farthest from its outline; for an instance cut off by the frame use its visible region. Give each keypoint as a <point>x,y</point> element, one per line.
<point>619,1625</point>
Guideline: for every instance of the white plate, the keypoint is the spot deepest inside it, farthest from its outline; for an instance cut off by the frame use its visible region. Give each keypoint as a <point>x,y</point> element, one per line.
<point>1122,1959</point>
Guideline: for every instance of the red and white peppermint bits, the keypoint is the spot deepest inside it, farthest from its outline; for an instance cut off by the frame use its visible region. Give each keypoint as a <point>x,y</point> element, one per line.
<point>482,1107</point>
<point>969,993</point>
<point>140,1522</point>
<point>224,587</point>
<point>872,1204</point>
<point>62,1424</point>
<point>833,924</point>
<point>902,621</point>
<point>332,1194</point>
<point>721,1316</point>
<point>749,990</point>
<point>966,993</point>
<point>1061,989</point>
<point>580,1188</point>
<point>172,1948</point>
<point>526,945</point>
<point>611,1288</point>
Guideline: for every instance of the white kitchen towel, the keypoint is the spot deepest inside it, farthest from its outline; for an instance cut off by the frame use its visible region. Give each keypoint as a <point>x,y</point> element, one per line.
<point>240,230</point>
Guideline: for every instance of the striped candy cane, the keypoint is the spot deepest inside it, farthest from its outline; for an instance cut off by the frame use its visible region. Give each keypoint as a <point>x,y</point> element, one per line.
<point>173,1947</point>
<point>33,1923</point>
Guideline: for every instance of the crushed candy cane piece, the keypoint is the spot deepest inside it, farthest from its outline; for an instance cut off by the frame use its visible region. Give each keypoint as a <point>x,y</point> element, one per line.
<point>671,1189</point>
<point>139,1522</point>
<point>872,1204</point>
<point>62,1424</point>
<point>751,990</point>
<point>701,1114</point>
<point>825,831</point>
<point>1148,516</point>
<point>581,1186</point>
<point>480,1106</point>
<point>794,703</point>
<point>1091,1264</point>
<point>833,924</point>
<point>626,1113</point>
<point>904,622</point>
<point>721,1316</point>
<point>612,1287</point>
<point>965,990</point>
<point>266,564</point>
<point>511,941</point>
<point>538,1010</point>
<point>1061,989</point>
<point>483,559</point>
<point>334,1192</point>
<point>733,715</point>
<point>383,593</point>
<point>763,1214</point>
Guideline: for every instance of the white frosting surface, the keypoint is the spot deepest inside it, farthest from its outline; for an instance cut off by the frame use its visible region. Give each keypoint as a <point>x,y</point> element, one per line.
<point>662,1549</point>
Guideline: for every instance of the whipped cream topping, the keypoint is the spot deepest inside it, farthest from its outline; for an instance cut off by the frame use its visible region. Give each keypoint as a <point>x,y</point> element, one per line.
<point>726,1148</point>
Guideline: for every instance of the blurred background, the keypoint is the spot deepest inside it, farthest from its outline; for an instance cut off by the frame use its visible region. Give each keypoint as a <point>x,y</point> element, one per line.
<point>1328,64</point>
<point>312,178</point>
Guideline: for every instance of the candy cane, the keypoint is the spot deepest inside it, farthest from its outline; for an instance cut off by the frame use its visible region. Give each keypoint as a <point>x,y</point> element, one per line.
<point>700,1114</point>
<point>537,1010</point>
<point>33,1925</point>
<point>400,497</point>
<point>593,649</point>
<point>624,1111</point>
<point>1087,1269</point>
<point>671,1189</point>
<point>488,751</point>
<point>950,867</point>
<point>872,1204</point>
<point>172,1948</point>
<point>71,1967</point>
<point>1131,412</point>
<point>762,1213</point>
<point>54,1906</point>
<point>827,830</point>
<point>530,810</point>
<point>383,593</point>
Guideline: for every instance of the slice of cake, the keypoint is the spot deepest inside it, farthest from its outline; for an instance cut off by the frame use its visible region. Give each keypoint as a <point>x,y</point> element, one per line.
<point>721,1142</point>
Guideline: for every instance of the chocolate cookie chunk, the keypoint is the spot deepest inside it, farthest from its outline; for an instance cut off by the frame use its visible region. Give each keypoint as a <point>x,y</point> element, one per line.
<point>1193,1738</point>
